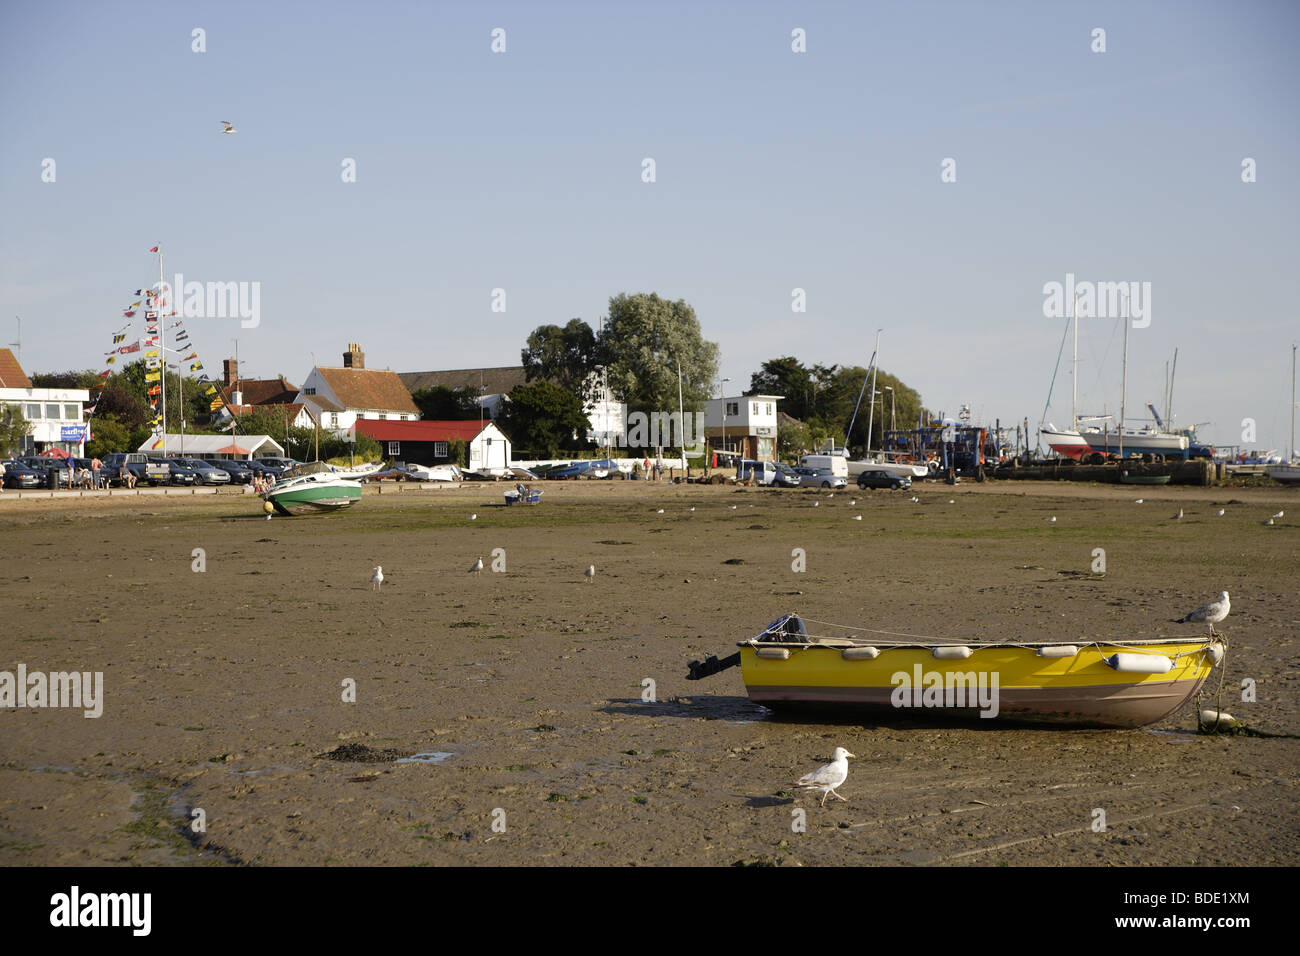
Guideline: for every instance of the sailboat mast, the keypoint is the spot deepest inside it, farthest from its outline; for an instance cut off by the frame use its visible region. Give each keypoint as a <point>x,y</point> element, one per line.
<point>1074,370</point>
<point>1292,457</point>
<point>871,413</point>
<point>1123,388</point>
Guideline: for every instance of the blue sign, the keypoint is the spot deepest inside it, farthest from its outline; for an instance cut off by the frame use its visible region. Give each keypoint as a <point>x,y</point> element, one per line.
<point>72,433</point>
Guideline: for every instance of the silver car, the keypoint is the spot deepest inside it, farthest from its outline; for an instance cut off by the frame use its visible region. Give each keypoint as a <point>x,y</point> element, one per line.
<point>818,478</point>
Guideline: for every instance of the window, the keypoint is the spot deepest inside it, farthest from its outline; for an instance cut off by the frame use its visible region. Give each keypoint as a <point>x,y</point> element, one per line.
<point>52,412</point>
<point>32,412</point>
<point>382,416</point>
<point>733,408</point>
<point>394,448</point>
<point>72,412</point>
<point>309,391</point>
<point>334,419</point>
<point>768,408</point>
<point>440,449</point>
<point>755,412</point>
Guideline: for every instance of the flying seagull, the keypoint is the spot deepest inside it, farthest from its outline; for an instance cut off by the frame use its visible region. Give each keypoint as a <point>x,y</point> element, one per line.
<point>1211,613</point>
<point>827,778</point>
<point>377,579</point>
<point>229,128</point>
<point>478,566</point>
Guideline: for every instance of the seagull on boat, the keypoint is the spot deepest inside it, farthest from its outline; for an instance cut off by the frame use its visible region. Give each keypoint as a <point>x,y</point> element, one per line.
<point>377,579</point>
<point>827,778</point>
<point>590,573</point>
<point>229,128</point>
<point>478,566</point>
<point>1177,517</point>
<point>1211,613</point>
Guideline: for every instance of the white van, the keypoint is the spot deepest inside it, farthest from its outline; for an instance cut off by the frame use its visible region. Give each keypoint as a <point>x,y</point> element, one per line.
<point>837,465</point>
<point>767,473</point>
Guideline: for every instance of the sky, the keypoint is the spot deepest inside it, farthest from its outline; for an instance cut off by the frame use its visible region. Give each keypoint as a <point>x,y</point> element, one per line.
<point>774,170</point>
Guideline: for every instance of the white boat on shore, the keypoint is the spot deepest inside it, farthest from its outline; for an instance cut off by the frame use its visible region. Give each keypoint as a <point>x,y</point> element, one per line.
<point>434,472</point>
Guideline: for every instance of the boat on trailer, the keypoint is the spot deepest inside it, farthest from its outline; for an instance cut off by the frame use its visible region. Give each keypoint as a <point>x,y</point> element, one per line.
<point>1123,683</point>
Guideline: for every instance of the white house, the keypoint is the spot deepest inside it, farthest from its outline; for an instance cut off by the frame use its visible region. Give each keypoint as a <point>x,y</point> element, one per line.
<point>347,393</point>
<point>744,425</point>
<point>54,413</point>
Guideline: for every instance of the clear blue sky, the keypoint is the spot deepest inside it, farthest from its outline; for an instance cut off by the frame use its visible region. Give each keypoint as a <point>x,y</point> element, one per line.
<point>775,170</point>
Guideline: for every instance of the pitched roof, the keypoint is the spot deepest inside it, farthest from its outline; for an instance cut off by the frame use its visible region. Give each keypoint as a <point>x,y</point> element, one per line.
<point>11,373</point>
<point>384,430</point>
<point>486,381</point>
<point>321,402</point>
<point>262,391</point>
<point>368,389</point>
<point>290,409</point>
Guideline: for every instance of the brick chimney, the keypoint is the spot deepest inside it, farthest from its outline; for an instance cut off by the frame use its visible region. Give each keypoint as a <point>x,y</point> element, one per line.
<point>354,357</point>
<point>231,373</point>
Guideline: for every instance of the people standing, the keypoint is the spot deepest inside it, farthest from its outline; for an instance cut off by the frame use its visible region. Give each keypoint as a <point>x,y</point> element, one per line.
<point>96,466</point>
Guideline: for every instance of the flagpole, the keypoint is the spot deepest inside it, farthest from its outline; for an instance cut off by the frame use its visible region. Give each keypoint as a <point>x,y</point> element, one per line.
<point>162,342</point>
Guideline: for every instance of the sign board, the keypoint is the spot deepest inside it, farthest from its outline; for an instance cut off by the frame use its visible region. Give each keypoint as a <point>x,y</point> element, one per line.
<point>72,433</point>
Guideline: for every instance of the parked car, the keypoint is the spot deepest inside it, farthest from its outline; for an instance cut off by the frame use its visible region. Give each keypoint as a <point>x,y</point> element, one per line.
<point>207,474</point>
<point>146,469</point>
<point>239,472</point>
<point>181,473</point>
<point>45,466</point>
<point>818,478</point>
<point>19,475</point>
<point>774,473</point>
<point>277,466</point>
<point>883,479</point>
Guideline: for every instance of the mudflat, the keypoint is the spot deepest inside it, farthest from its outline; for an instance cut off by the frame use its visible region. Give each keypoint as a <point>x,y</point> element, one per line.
<point>519,692</point>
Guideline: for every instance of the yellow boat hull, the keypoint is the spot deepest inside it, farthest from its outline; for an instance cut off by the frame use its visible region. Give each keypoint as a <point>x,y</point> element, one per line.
<point>994,681</point>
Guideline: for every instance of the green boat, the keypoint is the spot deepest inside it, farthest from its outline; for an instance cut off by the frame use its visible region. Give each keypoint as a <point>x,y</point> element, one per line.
<point>1127,479</point>
<point>307,493</point>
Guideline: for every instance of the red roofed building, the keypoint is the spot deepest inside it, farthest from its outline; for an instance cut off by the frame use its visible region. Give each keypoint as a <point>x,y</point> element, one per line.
<point>429,443</point>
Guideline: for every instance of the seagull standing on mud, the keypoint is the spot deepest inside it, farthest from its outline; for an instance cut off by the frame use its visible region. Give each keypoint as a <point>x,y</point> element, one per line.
<point>827,778</point>
<point>377,579</point>
<point>1211,613</point>
<point>1177,517</point>
<point>478,566</point>
<point>590,573</point>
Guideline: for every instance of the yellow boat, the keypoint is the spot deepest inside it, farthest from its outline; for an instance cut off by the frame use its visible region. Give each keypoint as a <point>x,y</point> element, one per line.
<point>1127,683</point>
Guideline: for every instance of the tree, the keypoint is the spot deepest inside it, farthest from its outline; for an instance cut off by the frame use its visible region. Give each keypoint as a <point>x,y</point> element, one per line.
<point>69,379</point>
<point>543,418</point>
<point>14,427</point>
<point>441,404</point>
<point>108,435</point>
<point>788,378</point>
<point>641,345</point>
<point>563,356</point>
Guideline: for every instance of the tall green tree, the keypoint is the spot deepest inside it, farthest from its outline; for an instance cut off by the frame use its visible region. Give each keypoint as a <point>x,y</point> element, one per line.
<point>543,418</point>
<point>564,356</point>
<point>642,343</point>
